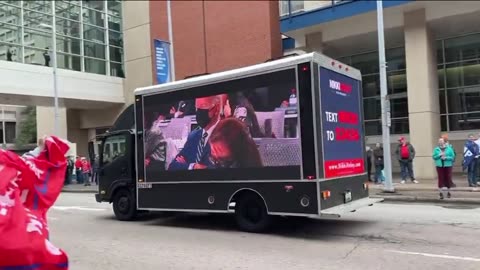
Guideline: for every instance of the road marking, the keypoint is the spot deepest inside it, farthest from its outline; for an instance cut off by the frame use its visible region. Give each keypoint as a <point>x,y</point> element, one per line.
<point>437,255</point>
<point>64,208</point>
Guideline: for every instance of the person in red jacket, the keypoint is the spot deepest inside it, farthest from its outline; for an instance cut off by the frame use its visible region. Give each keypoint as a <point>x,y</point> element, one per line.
<point>86,168</point>
<point>78,170</point>
<point>405,154</point>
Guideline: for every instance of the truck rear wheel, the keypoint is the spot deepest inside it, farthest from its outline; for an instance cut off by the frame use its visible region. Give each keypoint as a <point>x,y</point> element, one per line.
<point>124,205</point>
<point>251,213</point>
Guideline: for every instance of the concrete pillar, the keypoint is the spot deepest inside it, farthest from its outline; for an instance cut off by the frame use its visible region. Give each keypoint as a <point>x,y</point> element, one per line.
<point>422,82</point>
<point>76,134</point>
<point>46,123</point>
<point>138,53</point>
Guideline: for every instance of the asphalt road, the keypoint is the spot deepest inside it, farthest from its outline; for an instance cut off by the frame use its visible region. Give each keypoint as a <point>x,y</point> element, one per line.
<point>384,236</point>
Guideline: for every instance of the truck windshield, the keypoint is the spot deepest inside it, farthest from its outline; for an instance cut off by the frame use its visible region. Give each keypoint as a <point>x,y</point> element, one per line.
<point>113,148</point>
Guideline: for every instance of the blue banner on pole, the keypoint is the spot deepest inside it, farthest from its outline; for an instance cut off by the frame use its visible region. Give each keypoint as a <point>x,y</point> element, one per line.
<point>162,61</point>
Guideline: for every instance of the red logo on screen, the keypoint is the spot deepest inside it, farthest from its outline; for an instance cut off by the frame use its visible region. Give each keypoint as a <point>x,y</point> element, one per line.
<point>341,88</point>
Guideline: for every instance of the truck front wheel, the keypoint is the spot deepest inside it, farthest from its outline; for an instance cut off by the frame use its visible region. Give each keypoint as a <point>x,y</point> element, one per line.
<point>124,205</point>
<point>251,213</point>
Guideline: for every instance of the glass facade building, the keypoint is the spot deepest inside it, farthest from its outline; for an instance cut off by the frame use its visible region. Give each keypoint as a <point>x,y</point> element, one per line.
<point>88,34</point>
<point>458,61</point>
<point>367,63</point>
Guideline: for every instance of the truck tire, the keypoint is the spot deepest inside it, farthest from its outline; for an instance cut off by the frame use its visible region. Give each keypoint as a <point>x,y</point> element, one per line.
<point>251,213</point>
<point>124,205</point>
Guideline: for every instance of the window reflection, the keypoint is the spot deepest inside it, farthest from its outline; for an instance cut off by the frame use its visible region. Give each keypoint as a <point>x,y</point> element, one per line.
<point>98,17</point>
<point>461,78</point>
<point>462,48</point>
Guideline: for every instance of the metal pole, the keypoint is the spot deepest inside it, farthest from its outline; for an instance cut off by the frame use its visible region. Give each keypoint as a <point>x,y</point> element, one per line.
<point>3,129</point>
<point>385,104</point>
<point>54,56</point>
<point>170,37</point>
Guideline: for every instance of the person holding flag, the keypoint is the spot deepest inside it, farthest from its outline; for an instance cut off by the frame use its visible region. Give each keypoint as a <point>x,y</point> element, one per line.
<point>29,186</point>
<point>470,155</point>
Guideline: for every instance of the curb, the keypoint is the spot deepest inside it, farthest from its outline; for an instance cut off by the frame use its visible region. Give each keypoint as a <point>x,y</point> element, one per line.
<point>78,191</point>
<point>397,198</point>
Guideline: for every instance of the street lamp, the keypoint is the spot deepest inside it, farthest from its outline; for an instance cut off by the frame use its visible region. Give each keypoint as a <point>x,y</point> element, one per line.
<point>54,62</point>
<point>385,103</point>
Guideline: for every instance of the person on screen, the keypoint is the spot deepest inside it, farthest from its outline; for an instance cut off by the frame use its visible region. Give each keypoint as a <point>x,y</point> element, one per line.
<point>232,147</point>
<point>184,107</point>
<point>196,151</point>
<point>245,112</point>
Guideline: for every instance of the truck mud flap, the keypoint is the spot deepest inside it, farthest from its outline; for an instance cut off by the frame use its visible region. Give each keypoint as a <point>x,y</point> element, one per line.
<point>338,211</point>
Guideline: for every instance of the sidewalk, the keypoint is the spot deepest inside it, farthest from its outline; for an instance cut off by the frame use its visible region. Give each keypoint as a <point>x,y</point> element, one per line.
<point>80,188</point>
<point>427,191</point>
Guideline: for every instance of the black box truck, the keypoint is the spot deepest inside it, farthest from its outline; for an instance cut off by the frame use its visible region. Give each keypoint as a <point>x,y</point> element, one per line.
<point>281,138</point>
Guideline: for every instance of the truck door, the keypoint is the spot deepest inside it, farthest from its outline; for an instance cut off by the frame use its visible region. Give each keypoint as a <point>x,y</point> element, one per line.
<point>116,169</point>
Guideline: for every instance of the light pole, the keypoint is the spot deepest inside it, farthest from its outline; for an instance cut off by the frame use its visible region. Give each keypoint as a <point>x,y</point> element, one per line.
<point>3,129</point>
<point>385,103</point>
<point>54,63</point>
<point>170,37</point>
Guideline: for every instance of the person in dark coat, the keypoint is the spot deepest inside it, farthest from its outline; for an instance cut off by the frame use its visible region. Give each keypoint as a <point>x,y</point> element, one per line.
<point>379,164</point>
<point>369,157</point>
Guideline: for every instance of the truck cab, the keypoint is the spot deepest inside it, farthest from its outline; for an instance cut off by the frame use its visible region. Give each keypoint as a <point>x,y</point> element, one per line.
<point>116,172</point>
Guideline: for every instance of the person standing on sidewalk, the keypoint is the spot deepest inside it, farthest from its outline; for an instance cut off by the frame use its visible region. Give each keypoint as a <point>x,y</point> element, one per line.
<point>86,169</point>
<point>443,156</point>
<point>378,156</point>
<point>477,165</point>
<point>369,156</point>
<point>470,156</point>
<point>78,170</point>
<point>448,144</point>
<point>405,154</point>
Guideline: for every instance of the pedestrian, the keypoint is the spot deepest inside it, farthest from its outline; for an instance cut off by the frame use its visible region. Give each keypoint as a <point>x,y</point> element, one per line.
<point>379,164</point>
<point>69,170</point>
<point>78,170</point>
<point>369,157</point>
<point>448,144</point>
<point>477,165</point>
<point>443,157</point>
<point>96,169</point>
<point>46,56</point>
<point>86,171</point>
<point>470,156</point>
<point>405,154</point>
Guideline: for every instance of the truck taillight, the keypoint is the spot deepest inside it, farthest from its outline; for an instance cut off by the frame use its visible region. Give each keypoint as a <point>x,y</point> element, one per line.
<point>326,194</point>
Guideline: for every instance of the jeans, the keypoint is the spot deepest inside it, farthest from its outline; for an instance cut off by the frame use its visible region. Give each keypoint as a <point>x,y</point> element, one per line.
<point>406,169</point>
<point>471,172</point>
<point>378,174</point>
<point>79,176</point>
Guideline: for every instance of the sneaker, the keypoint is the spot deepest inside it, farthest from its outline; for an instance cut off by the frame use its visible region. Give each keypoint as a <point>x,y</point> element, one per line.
<point>415,181</point>
<point>449,195</point>
<point>403,182</point>
<point>441,196</point>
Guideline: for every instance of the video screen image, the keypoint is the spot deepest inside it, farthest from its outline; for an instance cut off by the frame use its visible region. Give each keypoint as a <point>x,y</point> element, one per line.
<point>252,127</point>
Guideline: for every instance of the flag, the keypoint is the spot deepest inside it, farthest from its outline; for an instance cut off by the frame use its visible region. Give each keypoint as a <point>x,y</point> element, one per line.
<point>29,186</point>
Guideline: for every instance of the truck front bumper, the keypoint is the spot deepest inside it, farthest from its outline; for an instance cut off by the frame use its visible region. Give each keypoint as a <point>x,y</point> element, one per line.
<point>98,197</point>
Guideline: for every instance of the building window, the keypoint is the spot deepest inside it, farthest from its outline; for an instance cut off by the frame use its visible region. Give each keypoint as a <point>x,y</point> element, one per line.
<point>88,34</point>
<point>459,82</point>
<point>367,63</point>
<point>10,132</point>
